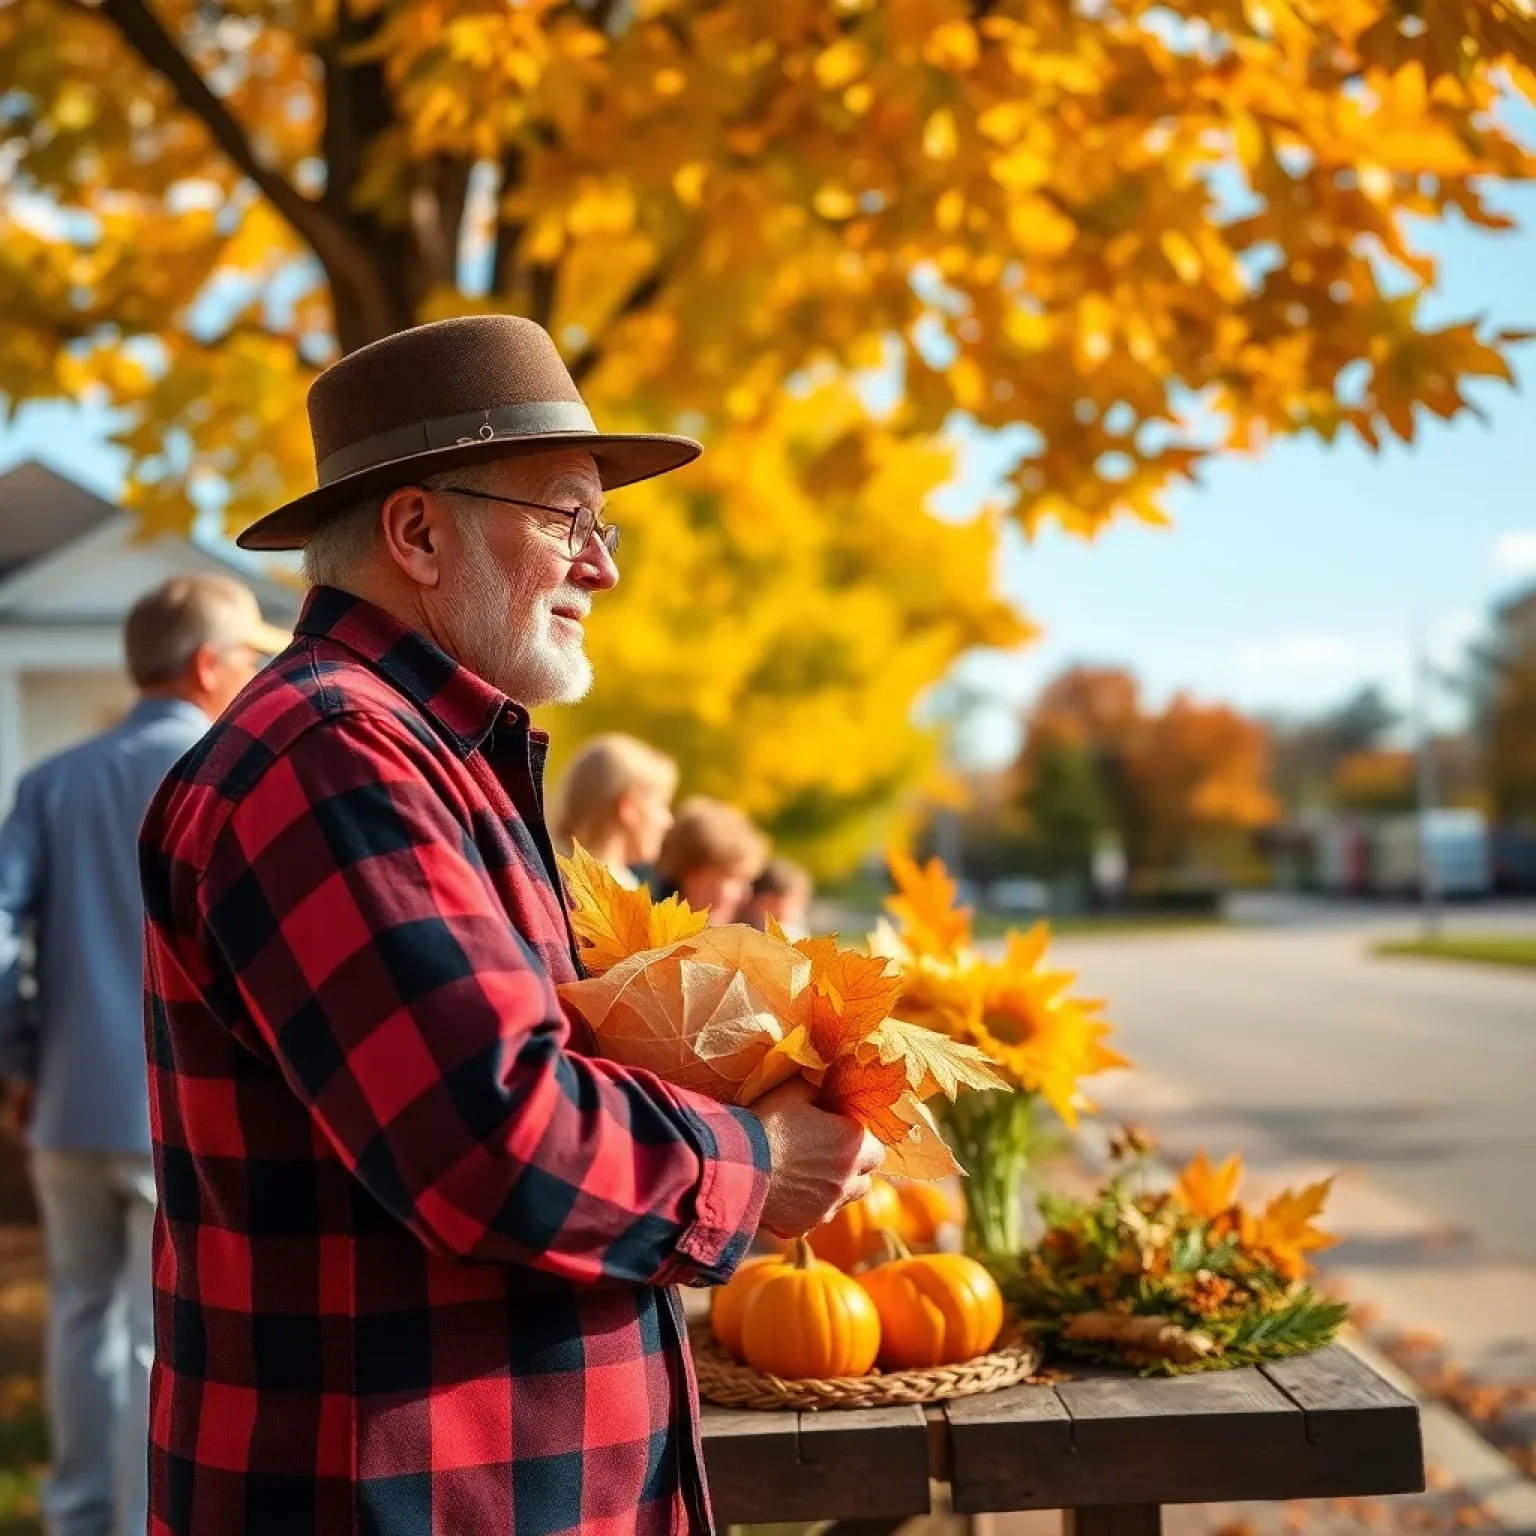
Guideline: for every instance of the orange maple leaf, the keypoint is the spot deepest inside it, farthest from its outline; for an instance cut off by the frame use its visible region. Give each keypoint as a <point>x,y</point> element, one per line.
<point>850,996</point>
<point>612,923</point>
<point>1209,1192</point>
<point>925,907</point>
<point>868,1092</point>
<point>1284,1233</point>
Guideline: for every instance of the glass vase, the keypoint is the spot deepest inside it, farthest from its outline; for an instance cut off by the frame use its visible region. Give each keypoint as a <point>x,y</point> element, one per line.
<point>992,1135</point>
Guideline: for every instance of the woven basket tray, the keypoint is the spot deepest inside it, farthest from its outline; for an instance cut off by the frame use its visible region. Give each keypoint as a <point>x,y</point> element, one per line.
<point>723,1381</point>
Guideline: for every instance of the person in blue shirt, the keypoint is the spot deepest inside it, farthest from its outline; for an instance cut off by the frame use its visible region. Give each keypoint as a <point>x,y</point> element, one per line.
<point>72,1033</point>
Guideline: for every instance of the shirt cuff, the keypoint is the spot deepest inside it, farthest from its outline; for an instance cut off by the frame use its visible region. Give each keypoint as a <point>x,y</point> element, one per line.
<point>728,1203</point>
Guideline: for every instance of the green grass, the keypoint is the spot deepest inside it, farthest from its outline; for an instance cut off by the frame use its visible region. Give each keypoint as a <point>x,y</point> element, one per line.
<point>1481,949</point>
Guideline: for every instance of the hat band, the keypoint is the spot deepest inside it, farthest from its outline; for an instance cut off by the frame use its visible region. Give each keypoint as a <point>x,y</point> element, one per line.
<point>535,418</point>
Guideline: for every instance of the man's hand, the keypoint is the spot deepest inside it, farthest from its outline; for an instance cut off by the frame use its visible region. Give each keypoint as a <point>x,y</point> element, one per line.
<point>16,1118</point>
<point>820,1160</point>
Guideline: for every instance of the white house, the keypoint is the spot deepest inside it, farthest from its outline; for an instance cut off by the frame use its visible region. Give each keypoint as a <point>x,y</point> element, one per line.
<point>71,566</point>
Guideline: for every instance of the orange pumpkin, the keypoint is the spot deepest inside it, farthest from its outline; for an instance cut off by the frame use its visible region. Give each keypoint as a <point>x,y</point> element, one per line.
<point>807,1318</point>
<point>853,1234</point>
<point>935,1308</point>
<point>728,1303</point>
<point>925,1208</point>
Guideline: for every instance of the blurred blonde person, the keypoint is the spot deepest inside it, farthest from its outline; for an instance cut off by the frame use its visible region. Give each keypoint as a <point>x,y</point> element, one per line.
<point>616,801</point>
<point>710,858</point>
<point>783,892</point>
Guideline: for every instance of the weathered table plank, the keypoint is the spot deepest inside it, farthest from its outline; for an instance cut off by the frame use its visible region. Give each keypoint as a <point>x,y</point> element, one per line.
<point>1108,1445</point>
<point>1122,1440</point>
<point>1007,1443</point>
<point>864,1463</point>
<point>1349,1409</point>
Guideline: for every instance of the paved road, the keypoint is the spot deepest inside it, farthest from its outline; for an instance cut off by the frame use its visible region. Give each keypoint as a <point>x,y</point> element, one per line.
<point>1421,1075</point>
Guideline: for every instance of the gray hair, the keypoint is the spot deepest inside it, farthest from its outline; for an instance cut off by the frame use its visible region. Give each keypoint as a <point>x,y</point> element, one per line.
<point>343,544</point>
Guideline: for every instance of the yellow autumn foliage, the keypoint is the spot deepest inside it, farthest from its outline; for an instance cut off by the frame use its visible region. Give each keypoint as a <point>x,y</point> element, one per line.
<point>1076,218</point>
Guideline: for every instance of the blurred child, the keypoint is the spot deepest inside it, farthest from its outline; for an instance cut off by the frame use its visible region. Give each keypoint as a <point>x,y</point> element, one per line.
<point>710,858</point>
<point>782,892</point>
<point>616,801</point>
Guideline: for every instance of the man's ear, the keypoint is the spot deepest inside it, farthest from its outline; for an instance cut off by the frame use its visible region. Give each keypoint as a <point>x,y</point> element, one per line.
<point>624,809</point>
<point>204,668</point>
<point>413,523</point>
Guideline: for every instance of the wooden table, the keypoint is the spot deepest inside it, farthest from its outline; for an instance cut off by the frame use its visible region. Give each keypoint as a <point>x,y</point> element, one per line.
<point>1109,1449</point>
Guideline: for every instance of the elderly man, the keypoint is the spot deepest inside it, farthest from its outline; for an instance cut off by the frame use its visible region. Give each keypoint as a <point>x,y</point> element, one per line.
<point>72,1041</point>
<point>416,1252</point>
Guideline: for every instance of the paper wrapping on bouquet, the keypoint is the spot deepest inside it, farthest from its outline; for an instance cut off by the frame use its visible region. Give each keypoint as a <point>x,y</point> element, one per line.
<point>731,1012</point>
<point>703,1013</point>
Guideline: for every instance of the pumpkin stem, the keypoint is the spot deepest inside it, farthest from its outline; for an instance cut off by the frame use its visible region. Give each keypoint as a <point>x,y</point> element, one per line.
<point>893,1245</point>
<point>803,1257</point>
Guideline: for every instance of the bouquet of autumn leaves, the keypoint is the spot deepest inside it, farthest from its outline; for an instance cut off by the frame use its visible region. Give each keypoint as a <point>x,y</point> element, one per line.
<point>1181,1280</point>
<point>731,1012</point>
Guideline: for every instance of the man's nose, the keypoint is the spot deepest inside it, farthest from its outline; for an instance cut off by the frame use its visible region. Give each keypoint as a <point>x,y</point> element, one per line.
<point>595,568</point>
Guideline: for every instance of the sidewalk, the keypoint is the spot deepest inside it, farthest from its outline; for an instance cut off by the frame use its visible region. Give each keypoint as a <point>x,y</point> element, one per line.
<point>1456,1320</point>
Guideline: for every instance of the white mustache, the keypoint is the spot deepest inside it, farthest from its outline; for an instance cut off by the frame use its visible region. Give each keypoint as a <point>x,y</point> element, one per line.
<point>577,601</point>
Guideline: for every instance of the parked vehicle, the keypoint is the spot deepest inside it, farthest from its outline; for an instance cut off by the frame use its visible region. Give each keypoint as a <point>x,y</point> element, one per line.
<point>1454,844</point>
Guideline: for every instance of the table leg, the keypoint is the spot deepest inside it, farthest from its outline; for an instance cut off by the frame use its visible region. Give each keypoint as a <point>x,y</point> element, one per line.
<point>1113,1520</point>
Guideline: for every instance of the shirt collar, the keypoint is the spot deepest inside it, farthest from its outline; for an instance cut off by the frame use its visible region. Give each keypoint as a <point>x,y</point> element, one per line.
<point>464,706</point>
<point>155,707</point>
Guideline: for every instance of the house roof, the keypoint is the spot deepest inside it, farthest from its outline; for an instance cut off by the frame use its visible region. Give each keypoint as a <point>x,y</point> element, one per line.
<point>68,558</point>
<point>41,511</point>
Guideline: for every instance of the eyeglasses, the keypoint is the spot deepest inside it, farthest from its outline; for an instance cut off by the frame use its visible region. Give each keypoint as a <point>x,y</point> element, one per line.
<point>584,521</point>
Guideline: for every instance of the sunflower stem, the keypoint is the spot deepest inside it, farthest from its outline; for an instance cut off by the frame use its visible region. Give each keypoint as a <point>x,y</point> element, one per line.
<point>991,1135</point>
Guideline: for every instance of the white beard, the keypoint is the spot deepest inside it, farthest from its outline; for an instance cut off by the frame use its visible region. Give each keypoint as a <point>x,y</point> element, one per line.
<point>544,661</point>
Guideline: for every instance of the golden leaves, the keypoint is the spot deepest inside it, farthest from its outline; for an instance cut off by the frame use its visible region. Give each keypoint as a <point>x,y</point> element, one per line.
<point>935,1062</point>
<point>1283,1234</point>
<point>1206,1191</point>
<point>850,995</point>
<point>926,907</point>
<point>1018,1017</point>
<point>612,923</point>
<point>734,1013</point>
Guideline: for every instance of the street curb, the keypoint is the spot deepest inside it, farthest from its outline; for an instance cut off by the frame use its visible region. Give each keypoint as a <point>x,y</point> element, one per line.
<point>1451,1442</point>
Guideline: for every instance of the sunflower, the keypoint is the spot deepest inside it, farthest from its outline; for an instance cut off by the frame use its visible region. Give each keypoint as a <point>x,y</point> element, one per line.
<point>1028,1021</point>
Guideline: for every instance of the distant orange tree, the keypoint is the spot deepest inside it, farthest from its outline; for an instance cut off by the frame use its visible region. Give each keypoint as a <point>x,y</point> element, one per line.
<point>1377,780</point>
<point>1175,786</point>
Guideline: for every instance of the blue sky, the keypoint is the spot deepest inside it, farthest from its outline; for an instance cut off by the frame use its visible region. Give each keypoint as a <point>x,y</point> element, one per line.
<point>1287,581</point>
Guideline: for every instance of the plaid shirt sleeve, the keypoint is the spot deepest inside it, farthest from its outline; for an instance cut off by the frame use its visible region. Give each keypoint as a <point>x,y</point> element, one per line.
<point>354,920</point>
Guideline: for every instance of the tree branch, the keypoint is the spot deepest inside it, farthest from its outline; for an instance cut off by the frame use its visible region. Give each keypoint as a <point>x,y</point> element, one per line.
<point>634,301</point>
<point>342,258</point>
<point>543,280</point>
<point>509,232</point>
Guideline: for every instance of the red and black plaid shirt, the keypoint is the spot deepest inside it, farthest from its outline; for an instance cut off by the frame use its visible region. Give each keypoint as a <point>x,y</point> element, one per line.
<point>414,1255</point>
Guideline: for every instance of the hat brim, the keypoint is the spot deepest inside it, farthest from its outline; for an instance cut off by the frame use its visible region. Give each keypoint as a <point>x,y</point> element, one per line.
<point>621,459</point>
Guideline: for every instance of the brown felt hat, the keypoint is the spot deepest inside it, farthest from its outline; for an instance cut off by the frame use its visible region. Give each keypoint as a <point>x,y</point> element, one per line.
<point>453,392</point>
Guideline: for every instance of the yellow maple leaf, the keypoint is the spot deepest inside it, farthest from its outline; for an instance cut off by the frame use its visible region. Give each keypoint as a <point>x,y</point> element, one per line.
<point>1209,1192</point>
<point>925,907</point>
<point>1284,1233</point>
<point>782,1062</point>
<point>612,923</point>
<point>935,1063</point>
